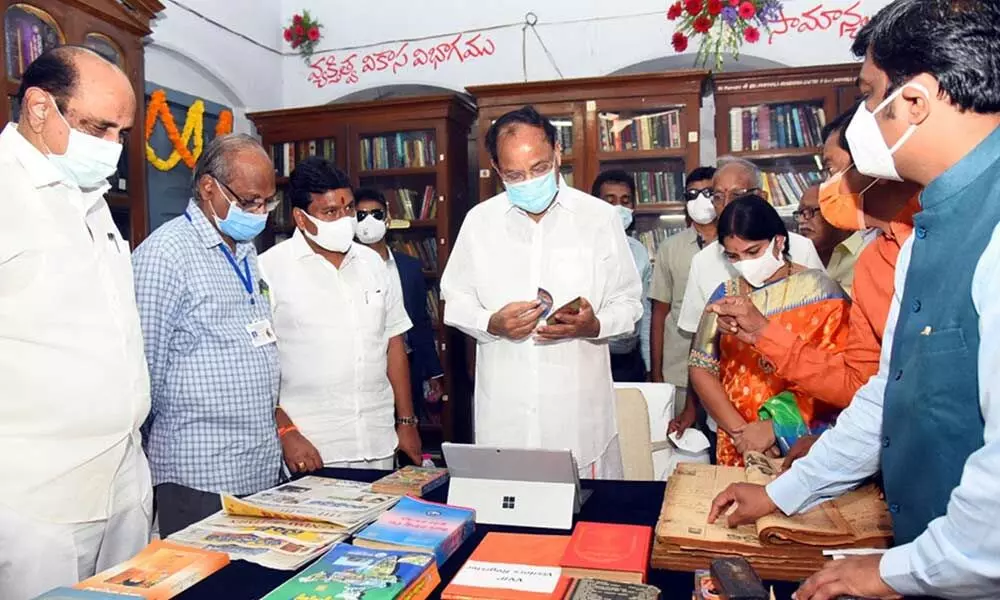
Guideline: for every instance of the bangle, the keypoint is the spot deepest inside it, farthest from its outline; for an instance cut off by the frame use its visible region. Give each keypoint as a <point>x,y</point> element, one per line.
<point>286,429</point>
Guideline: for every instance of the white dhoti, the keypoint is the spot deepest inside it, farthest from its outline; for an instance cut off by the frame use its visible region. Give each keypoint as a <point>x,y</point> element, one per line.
<point>36,556</point>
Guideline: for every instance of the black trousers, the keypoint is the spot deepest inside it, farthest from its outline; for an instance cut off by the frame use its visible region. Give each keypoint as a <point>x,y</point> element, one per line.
<point>628,368</point>
<point>178,506</point>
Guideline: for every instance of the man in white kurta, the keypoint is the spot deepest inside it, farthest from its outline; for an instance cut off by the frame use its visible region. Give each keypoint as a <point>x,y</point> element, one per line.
<point>544,394</point>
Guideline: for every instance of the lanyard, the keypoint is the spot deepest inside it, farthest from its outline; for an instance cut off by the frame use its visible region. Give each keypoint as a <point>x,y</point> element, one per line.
<point>245,278</point>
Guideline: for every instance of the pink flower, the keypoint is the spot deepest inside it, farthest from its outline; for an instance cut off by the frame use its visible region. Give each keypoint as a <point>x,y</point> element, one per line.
<point>734,2</point>
<point>313,34</point>
<point>297,19</point>
<point>680,42</point>
<point>288,34</point>
<point>299,31</point>
<point>674,11</point>
<point>751,34</point>
<point>747,10</point>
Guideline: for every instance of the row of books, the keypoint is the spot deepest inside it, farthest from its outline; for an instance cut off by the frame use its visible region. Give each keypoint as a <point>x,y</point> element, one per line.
<point>642,132</point>
<point>786,188</point>
<point>401,150</point>
<point>410,204</point>
<point>767,127</point>
<point>424,249</point>
<point>285,156</point>
<point>434,305</point>
<point>652,238</point>
<point>658,186</point>
<point>564,135</point>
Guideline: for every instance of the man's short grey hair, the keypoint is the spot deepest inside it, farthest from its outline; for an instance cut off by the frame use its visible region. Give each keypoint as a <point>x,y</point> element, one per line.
<point>215,158</point>
<point>752,169</point>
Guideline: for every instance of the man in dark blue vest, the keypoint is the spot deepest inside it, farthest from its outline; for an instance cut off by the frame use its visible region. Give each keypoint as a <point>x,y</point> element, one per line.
<point>931,81</point>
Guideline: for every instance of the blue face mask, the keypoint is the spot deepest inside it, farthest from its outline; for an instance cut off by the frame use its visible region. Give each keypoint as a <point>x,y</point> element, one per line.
<point>239,225</point>
<point>534,195</point>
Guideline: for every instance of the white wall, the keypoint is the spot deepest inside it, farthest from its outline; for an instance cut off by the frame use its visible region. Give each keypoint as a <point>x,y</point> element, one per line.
<point>191,55</point>
<point>585,37</point>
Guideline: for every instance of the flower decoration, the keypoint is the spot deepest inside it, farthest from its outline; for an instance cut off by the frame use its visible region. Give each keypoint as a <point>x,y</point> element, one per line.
<point>193,134</point>
<point>303,34</point>
<point>722,25</point>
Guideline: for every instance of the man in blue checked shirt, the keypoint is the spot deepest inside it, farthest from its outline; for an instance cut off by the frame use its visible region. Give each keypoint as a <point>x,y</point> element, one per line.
<point>211,350</point>
<point>931,115</point>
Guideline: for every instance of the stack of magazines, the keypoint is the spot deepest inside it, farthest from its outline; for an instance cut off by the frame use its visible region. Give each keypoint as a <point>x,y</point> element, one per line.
<point>290,525</point>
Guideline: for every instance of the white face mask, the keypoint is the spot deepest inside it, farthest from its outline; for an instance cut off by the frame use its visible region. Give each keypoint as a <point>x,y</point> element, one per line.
<point>758,270</point>
<point>371,230</point>
<point>335,236</point>
<point>872,156</point>
<point>701,210</point>
<point>88,160</point>
<point>625,214</point>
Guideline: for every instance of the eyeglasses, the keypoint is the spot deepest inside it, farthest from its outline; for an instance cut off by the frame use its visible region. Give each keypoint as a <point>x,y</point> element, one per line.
<point>378,214</point>
<point>728,196</point>
<point>805,214</point>
<point>537,170</point>
<point>254,205</point>
<point>690,195</point>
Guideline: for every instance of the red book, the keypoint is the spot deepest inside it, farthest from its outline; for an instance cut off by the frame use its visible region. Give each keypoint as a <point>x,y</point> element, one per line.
<point>512,566</point>
<point>611,552</point>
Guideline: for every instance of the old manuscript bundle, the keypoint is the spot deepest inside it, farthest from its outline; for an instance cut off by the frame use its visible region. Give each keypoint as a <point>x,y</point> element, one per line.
<point>779,547</point>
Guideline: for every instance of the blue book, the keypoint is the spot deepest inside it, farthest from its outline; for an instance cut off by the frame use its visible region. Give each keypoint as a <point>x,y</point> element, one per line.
<point>65,593</point>
<point>417,525</point>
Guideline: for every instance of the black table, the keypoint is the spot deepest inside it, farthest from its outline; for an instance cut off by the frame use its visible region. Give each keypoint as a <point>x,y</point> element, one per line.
<point>625,502</point>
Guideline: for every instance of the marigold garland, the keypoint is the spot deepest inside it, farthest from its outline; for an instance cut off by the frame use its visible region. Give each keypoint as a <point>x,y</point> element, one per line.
<point>225,124</point>
<point>194,125</point>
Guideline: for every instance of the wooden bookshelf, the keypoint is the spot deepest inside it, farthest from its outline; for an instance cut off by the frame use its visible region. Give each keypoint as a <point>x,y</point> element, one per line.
<point>113,29</point>
<point>774,118</point>
<point>411,149</point>
<point>646,124</point>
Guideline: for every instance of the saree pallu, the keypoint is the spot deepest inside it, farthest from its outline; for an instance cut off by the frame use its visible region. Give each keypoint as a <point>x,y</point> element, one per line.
<point>809,304</point>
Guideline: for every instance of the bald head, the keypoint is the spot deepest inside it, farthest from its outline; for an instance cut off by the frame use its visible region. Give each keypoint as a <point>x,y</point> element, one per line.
<point>93,96</point>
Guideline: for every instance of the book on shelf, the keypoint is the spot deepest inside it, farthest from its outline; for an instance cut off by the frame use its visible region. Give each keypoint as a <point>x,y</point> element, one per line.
<point>424,249</point>
<point>512,566</point>
<point>160,571</point>
<point>286,155</point>
<point>564,134</point>
<point>598,589</point>
<point>434,305</point>
<point>416,525</point>
<point>347,571</point>
<point>411,480</point>
<point>777,546</point>
<point>775,127</point>
<point>654,187</point>
<point>410,204</point>
<point>641,132</point>
<point>784,189</point>
<point>652,238</point>
<point>608,552</point>
<point>403,150</point>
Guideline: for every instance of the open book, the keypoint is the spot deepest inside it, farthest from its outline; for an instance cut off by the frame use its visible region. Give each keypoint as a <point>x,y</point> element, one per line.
<point>779,546</point>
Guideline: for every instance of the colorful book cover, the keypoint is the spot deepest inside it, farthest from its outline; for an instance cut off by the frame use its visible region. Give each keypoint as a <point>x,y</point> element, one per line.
<point>512,566</point>
<point>418,524</point>
<point>596,589</point>
<point>350,572</point>
<point>607,547</point>
<point>65,593</point>
<point>161,571</point>
<point>412,479</point>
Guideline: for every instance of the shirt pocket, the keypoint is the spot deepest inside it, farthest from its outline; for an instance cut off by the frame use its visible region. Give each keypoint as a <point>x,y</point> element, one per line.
<point>945,368</point>
<point>569,273</point>
<point>371,303</point>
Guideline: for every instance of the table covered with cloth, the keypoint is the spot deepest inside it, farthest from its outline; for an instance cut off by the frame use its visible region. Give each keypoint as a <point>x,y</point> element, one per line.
<point>623,502</point>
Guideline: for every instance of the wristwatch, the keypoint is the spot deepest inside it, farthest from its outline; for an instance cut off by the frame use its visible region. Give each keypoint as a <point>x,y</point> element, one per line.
<point>413,421</point>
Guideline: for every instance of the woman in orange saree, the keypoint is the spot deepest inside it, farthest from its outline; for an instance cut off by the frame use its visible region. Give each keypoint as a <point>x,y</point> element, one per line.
<point>738,386</point>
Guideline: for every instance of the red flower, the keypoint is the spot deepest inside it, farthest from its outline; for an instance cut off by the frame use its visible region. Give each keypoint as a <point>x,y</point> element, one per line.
<point>747,10</point>
<point>288,34</point>
<point>295,43</point>
<point>313,34</point>
<point>702,24</point>
<point>734,2</point>
<point>693,7</point>
<point>714,7</point>
<point>751,34</point>
<point>297,19</point>
<point>674,11</point>
<point>680,42</point>
<point>299,31</point>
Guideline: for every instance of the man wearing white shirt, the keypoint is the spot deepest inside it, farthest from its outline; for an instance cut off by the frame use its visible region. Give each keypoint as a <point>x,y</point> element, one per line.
<point>339,320</point>
<point>931,83</point>
<point>541,385</point>
<point>76,494</point>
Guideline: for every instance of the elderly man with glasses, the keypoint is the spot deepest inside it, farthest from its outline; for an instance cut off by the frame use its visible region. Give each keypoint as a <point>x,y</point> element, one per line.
<point>213,362</point>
